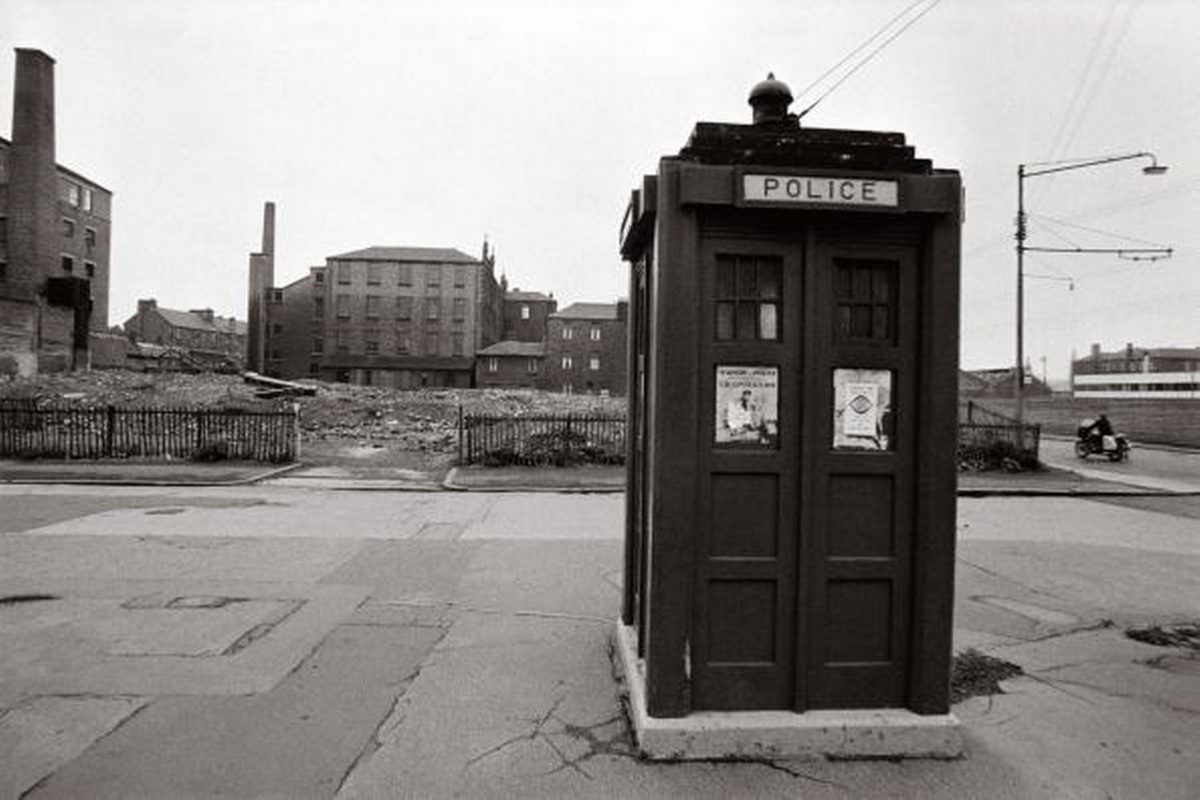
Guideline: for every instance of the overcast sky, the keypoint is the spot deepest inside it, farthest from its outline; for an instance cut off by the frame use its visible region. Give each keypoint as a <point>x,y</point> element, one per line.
<point>435,123</point>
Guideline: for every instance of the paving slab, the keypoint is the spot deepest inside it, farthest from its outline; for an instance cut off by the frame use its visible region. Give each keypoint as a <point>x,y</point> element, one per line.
<point>296,740</point>
<point>44,733</point>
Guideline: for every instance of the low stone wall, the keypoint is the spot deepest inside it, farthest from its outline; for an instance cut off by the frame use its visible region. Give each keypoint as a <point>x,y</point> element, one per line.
<point>1174,422</point>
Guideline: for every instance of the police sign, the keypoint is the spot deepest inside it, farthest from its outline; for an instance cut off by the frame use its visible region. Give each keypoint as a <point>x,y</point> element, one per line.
<point>820,190</point>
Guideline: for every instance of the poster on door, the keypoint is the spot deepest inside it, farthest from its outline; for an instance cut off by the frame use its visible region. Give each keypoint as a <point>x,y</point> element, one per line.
<point>747,406</point>
<point>862,409</point>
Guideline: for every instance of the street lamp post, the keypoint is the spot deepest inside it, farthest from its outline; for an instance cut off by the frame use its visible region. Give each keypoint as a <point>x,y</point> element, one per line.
<point>1023,172</point>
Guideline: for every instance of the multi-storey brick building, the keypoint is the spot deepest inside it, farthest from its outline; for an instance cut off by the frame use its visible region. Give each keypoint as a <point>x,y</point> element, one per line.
<point>585,348</point>
<point>54,238</point>
<point>1143,373</point>
<point>526,315</point>
<point>206,337</point>
<point>390,316</point>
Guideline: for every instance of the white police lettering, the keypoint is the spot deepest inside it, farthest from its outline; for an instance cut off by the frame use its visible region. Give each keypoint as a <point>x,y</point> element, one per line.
<point>826,190</point>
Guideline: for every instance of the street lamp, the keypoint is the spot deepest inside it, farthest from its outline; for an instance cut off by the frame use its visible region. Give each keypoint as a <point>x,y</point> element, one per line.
<point>1023,172</point>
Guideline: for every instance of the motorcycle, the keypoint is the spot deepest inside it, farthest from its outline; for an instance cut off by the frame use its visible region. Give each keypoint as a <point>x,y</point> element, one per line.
<point>1087,443</point>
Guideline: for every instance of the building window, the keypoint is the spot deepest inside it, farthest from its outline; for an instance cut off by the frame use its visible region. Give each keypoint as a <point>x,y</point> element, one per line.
<point>460,277</point>
<point>493,364</point>
<point>87,199</point>
<point>70,193</point>
<point>343,306</point>
<point>748,294</point>
<point>374,274</point>
<point>3,271</point>
<point>318,346</point>
<point>403,308</point>
<point>89,239</point>
<point>373,306</point>
<point>595,333</point>
<point>314,368</point>
<point>431,344</point>
<point>68,264</point>
<point>567,362</point>
<point>276,295</point>
<point>89,268</point>
<point>460,308</point>
<point>532,366</point>
<point>318,276</point>
<point>372,346</point>
<point>277,329</point>
<point>3,231</point>
<point>456,344</point>
<point>524,311</point>
<point>68,228</point>
<point>344,272</point>
<point>403,344</point>
<point>274,355</point>
<point>433,309</point>
<point>568,332</point>
<point>594,363</point>
<point>405,275</point>
<point>319,307</point>
<point>433,278</point>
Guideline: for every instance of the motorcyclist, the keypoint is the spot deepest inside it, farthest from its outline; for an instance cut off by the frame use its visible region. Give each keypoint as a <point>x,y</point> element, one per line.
<point>1101,428</point>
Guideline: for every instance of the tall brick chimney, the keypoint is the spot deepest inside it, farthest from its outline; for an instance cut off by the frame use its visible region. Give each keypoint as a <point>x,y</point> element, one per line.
<point>262,278</point>
<point>33,182</point>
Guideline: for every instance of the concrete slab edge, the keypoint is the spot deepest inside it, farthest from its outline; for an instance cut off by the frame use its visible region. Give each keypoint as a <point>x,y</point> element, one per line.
<point>778,735</point>
<point>449,483</point>
<point>260,476</point>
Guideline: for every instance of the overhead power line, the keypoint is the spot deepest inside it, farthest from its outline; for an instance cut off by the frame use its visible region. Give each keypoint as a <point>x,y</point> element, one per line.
<point>874,52</point>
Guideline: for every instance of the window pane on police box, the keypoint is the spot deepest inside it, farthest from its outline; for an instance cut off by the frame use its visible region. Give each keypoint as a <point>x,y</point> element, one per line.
<point>768,322</point>
<point>724,320</point>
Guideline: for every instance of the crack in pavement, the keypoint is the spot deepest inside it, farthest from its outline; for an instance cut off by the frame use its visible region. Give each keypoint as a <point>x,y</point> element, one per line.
<point>995,574</point>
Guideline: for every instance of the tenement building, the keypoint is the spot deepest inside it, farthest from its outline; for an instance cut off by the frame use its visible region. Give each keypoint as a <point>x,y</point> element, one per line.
<point>54,238</point>
<point>406,317</point>
<point>526,314</point>
<point>585,349</point>
<point>205,338</point>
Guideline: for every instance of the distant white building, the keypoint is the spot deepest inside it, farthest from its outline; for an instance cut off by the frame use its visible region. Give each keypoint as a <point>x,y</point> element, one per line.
<point>1162,373</point>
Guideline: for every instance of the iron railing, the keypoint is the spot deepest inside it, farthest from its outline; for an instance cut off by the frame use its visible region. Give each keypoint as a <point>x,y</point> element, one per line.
<point>541,439</point>
<point>29,429</point>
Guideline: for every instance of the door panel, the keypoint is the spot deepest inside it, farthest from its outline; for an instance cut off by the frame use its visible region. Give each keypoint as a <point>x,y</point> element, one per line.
<point>743,635</point>
<point>858,570</point>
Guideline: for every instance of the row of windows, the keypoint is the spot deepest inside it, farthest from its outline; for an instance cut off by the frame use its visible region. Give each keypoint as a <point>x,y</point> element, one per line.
<point>89,234</point>
<point>68,265</point>
<point>1138,387</point>
<point>402,345</point>
<point>345,273</point>
<point>374,308</point>
<point>532,366</point>
<point>594,334</point>
<point>493,364</point>
<point>75,195</point>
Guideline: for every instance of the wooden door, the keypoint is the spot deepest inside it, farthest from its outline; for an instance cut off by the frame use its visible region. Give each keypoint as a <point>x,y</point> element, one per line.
<point>858,492</point>
<point>743,634</point>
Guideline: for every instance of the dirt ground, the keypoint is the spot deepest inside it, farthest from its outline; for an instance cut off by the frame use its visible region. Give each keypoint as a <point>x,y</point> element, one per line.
<point>342,424</point>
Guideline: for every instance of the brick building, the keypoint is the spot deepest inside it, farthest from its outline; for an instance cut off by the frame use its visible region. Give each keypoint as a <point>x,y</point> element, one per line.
<point>526,315</point>
<point>55,227</point>
<point>208,339</point>
<point>1146,373</point>
<point>405,317</point>
<point>511,365</point>
<point>585,348</point>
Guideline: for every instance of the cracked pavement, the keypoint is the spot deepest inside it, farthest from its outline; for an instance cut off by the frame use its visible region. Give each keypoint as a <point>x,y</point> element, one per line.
<point>271,641</point>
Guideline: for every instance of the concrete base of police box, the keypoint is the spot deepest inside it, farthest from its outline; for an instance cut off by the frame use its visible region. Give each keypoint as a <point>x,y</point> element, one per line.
<point>777,735</point>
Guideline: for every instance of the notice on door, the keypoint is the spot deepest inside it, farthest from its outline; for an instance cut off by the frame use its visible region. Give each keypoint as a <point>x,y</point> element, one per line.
<point>862,409</point>
<point>747,406</point>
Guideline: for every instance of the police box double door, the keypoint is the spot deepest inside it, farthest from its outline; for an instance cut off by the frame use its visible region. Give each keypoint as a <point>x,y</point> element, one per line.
<point>808,358</point>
